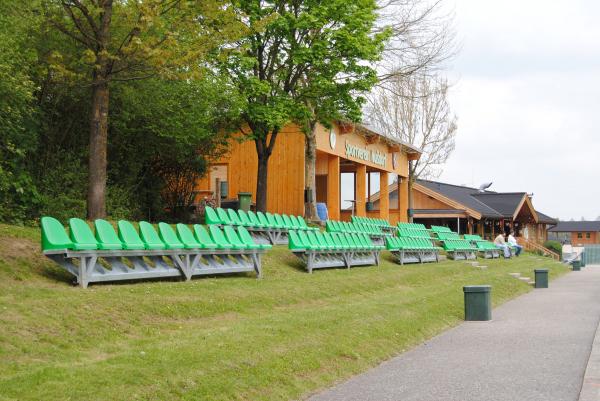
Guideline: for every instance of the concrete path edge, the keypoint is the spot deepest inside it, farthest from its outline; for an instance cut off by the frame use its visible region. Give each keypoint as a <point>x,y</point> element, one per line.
<point>590,388</point>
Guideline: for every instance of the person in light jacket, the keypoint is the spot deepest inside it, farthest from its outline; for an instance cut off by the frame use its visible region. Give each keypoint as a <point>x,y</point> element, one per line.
<point>501,243</point>
<point>512,241</point>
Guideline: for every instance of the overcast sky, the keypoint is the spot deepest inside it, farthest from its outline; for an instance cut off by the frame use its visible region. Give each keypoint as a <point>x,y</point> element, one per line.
<point>527,96</point>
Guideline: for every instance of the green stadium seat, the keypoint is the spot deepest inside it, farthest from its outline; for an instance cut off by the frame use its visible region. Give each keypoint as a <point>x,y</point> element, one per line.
<point>244,219</point>
<point>129,236</point>
<point>249,241</point>
<point>233,217</point>
<point>218,238</point>
<point>54,236</point>
<point>150,237</point>
<point>233,239</point>
<point>203,237</point>
<point>81,235</point>
<point>223,216</point>
<point>186,236</point>
<point>263,219</point>
<point>211,216</point>
<point>168,236</point>
<point>106,236</point>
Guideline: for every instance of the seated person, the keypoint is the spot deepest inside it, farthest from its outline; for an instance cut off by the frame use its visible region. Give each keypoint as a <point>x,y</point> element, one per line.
<point>512,241</point>
<point>501,243</point>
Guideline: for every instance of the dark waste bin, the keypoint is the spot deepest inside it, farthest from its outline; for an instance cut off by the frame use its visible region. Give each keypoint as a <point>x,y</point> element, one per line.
<point>478,302</point>
<point>245,199</point>
<point>576,265</point>
<point>541,278</point>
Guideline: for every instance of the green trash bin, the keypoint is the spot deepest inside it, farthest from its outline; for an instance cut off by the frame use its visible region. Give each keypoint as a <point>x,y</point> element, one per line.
<point>541,278</point>
<point>478,302</point>
<point>245,200</point>
<point>576,265</point>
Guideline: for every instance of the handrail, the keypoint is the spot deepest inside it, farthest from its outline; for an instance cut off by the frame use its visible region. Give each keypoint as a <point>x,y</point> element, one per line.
<point>528,245</point>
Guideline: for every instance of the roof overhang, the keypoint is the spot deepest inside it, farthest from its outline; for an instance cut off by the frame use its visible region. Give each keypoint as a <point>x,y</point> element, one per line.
<point>526,201</point>
<point>372,134</point>
<point>440,213</point>
<point>456,205</point>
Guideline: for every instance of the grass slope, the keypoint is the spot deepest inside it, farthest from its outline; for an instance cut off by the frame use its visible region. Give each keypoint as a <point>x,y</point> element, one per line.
<point>225,338</point>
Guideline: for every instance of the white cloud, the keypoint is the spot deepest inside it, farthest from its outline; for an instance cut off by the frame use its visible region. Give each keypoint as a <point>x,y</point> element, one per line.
<point>528,101</point>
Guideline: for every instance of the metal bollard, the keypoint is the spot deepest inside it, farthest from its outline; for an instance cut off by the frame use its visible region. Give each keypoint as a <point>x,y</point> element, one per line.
<point>541,278</point>
<point>478,302</point>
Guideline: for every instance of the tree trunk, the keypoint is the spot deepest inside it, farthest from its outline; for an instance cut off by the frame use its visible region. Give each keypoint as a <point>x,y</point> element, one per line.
<point>264,148</point>
<point>310,160</point>
<point>261,183</point>
<point>411,181</point>
<point>96,199</point>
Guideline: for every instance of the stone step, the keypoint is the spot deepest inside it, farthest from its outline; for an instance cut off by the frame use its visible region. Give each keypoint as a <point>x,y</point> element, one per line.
<point>515,275</point>
<point>526,279</point>
<point>531,282</point>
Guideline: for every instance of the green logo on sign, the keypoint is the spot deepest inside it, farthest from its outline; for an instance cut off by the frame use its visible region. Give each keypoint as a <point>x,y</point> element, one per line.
<point>375,156</point>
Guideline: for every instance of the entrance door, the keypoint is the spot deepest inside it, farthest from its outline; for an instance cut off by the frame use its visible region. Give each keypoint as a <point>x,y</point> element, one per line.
<point>219,172</point>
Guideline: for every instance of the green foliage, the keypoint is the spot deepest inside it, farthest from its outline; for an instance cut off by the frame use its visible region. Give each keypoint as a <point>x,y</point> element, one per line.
<point>45,104</point>
<point>302,58</point>
<point>554,246</point>
<point>17,114</point>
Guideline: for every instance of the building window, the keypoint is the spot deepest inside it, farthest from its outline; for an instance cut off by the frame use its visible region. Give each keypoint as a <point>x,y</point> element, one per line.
<point>580,235</point>
<point>587,235</point>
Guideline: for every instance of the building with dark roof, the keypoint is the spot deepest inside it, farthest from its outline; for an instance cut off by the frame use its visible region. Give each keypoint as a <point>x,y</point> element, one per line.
<point>576,232</point>
<point>470,210</point>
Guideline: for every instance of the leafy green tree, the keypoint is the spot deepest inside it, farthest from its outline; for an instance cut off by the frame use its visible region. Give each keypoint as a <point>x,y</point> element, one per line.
<point>119,40</point>
<point>300,61</point>
<point>18,119</point>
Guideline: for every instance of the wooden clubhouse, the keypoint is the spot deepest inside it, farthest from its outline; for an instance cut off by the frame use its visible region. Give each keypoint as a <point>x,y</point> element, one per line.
<point>349,149</point>
<point>469,210</point>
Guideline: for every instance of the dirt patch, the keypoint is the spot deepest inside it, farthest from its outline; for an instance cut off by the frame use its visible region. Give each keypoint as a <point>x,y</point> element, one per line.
<point>12,248</point>
<point>22,260</point>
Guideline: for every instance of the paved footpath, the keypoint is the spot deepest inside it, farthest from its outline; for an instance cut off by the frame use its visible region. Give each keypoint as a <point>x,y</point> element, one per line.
<point>536,348</point>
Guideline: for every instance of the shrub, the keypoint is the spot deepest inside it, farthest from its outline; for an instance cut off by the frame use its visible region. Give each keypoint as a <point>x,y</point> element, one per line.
<point>554,246</point>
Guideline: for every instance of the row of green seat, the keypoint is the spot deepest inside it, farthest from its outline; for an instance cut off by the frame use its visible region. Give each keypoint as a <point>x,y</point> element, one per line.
<point>331,241</point>
<point>412,232</point>
<point>442,235</point>
<point>81,237</point>
<point>407,243</point>
<point>334,226</point>
<point>250,219</point>
<point>473,237</point>
<point>458,245</point>
<point>412,226</point>
<point>371,221</point>
<point>440,229</point>
<point>485,246</point>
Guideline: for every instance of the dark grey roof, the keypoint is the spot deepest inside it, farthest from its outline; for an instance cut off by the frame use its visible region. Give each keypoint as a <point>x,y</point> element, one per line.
<point>462,195</point>
<point>576,226</point>
<point>545,219</point>
<point>504,203</point>
<point>489,203</point>
<point>438,211</point>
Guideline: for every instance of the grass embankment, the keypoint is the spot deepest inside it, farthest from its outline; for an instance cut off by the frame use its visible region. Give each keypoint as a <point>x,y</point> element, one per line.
<point>225,338</point>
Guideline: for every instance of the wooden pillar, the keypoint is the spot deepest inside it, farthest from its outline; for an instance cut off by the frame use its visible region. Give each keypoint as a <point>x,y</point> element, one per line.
<point>333,187</point>
<point>361,189</point>
<point>384,196</point>
<point>403,200</point>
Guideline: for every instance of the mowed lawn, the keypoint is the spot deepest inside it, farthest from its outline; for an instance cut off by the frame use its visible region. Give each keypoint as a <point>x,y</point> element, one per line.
<point>226,338</point>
